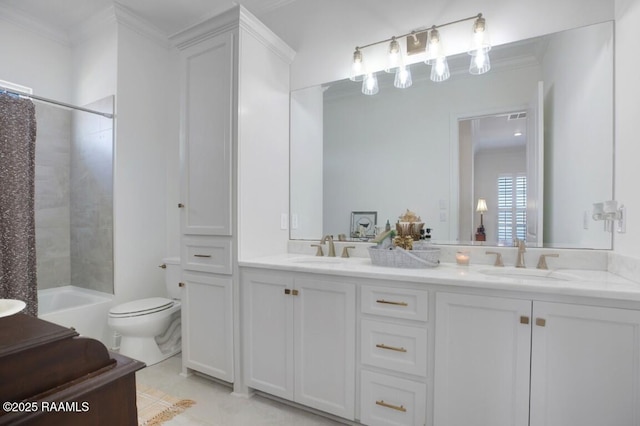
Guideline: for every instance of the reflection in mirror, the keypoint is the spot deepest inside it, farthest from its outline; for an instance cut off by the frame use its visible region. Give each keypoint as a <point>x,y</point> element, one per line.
<point>404,148</point>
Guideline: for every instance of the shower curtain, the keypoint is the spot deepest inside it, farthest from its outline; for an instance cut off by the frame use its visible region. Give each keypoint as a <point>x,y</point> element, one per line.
<point>17,217</point>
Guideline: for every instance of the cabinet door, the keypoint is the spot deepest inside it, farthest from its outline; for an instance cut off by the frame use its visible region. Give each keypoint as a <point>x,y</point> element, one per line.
<point>585,366</point>
<point>205,149</point>
<point>325,335</point>
<point>207,335</point>
<point>268,332</point>
<point>482,360</point>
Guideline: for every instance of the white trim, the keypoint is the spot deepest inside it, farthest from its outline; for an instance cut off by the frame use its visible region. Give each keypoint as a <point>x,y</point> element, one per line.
<point>126,17</point>
<point>207,28</point>
<point>14,86</point>
<point>96,23</point>
<point>264,35</point>
<point>29,23</point>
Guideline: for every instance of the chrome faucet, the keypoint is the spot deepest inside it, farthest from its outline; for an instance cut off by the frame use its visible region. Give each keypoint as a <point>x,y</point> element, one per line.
<point>332,248</point>
<point>521,250</point>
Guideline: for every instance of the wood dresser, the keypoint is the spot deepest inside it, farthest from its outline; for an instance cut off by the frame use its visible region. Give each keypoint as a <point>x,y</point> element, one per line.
<point>50,375</point>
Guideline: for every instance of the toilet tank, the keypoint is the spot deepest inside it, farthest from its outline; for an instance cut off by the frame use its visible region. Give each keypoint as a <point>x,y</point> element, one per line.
<point>172,276</point>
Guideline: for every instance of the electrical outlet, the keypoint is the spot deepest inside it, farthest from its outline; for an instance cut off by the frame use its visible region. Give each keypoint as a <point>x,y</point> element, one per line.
<point>443,216</point>
<point>284,221</point>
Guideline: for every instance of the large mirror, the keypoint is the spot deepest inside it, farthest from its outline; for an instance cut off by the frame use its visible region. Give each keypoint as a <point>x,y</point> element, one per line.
<point>533,138</point>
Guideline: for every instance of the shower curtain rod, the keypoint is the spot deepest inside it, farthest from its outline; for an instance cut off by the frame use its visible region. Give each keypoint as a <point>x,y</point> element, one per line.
<point>51,101</point>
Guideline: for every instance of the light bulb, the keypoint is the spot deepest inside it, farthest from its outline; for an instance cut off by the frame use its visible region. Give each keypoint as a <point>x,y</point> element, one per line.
<point>480,63</point>
<point>440,70</point>
<point>402,79</point>
<point>357,67</point>
<point>394,56</point>
<point>434,47</point>
<point>479,37</point>
<point>370,84</point>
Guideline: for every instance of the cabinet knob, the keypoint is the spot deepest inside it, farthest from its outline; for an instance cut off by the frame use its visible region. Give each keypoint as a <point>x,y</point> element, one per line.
<point>524,320</point>
<point>294,292</point>
<point>541,322</point>
<point>180,205</point>
<point>181,284</point>
<point>287,291</point>
<point>163,266</point>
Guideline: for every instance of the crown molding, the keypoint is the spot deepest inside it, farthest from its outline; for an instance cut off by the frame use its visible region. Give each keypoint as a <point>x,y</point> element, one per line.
<point>255,27</point>
<point>29,23</point>
<point>207,28</point>
<point>128,18</point>
<point>96,23</point>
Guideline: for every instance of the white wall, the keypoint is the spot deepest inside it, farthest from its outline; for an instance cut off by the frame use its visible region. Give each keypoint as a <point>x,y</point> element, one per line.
<point>94,62</point>
<point>577,131</point>
<point>144,133</point>
<point>263,147</point>
<point>325,33</point>
<point>35,61</point>
<point>627,113</point>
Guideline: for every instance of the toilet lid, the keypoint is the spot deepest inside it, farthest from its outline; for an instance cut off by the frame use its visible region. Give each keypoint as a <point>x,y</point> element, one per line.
<point>141,307</point>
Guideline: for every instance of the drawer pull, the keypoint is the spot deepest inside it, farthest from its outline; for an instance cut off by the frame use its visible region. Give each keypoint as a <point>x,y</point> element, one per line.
<point>388,302</point>
<point>393,407</point>
<point>391,348</point>
<point>201,255</point>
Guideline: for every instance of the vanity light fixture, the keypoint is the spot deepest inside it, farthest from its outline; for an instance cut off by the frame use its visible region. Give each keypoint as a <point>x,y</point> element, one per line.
<point>421,41</point>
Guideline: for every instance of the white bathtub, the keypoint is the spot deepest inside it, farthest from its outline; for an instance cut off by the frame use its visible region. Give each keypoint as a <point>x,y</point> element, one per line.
<point>84,310</point>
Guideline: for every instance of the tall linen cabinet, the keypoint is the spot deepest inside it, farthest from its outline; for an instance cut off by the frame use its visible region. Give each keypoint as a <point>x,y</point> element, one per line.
<point>234,140</point>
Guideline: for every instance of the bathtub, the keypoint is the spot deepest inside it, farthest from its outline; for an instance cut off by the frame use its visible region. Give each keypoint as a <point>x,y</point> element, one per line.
<point>84,310</point>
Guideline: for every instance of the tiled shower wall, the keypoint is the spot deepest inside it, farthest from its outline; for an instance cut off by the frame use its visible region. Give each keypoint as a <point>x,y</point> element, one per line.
<point>91,183</point>
<point>73,197</point>
<point>52,200</point>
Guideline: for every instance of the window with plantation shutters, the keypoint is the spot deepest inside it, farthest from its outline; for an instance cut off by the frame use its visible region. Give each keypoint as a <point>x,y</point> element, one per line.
<point>512,208</point>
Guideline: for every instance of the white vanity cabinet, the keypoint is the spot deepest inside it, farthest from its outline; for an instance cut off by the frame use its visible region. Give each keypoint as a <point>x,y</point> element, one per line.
<point>207,318</point>
<point>501,361</point>
<point>299,338</point>
<point>393,355</point>
<point>227,63</point>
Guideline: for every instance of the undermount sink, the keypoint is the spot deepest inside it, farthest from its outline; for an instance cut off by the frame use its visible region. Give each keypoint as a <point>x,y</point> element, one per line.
<point>318,259</point>
<point>10,307</point>
<point>528,274</point>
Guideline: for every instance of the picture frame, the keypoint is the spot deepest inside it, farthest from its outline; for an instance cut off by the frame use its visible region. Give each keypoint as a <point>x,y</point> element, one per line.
<point>363,224</point>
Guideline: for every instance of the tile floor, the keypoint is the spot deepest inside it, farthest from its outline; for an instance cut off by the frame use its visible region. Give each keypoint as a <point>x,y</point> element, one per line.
<point>216,406</point>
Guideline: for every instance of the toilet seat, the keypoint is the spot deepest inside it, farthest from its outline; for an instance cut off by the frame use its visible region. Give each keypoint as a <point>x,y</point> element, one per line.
<point>141,307</point>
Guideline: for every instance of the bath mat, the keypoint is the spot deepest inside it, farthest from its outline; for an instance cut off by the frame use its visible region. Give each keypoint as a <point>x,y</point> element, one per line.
<point>156,407</point>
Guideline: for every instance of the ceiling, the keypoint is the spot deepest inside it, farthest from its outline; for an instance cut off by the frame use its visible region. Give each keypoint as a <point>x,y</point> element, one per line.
<point>169,16</point>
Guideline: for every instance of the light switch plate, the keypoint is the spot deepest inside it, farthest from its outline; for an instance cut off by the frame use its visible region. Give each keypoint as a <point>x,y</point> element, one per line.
<point>284,221</point>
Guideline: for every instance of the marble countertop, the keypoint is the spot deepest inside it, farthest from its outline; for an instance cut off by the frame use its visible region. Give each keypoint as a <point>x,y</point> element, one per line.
<point>571,282</point>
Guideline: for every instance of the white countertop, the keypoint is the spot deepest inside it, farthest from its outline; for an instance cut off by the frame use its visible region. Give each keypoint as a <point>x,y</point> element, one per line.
<point>571,282</point>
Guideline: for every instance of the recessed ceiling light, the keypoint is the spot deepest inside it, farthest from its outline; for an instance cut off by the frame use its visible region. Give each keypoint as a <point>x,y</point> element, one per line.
<point>517,134</point>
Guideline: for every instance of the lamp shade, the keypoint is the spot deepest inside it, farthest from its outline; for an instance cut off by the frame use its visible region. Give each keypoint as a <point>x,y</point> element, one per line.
<point>482,205</point>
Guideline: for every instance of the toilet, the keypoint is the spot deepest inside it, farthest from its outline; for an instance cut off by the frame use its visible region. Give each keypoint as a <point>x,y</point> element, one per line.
<point>149,329</point>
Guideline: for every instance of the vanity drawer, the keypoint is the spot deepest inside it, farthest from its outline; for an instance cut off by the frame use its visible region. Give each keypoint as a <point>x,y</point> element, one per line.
<point>395,347</point>
<point>394,302</point>
<point>388,400</point>
<point>207,254</point>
